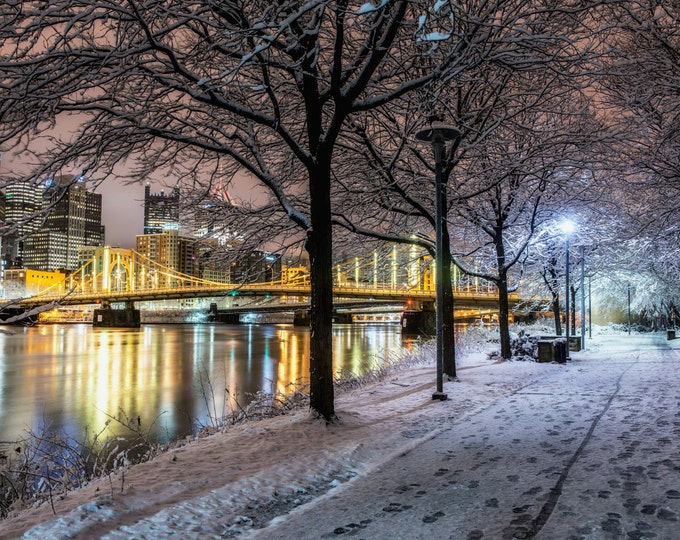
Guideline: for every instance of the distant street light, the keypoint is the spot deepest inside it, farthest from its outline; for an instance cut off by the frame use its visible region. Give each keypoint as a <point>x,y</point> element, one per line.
<point>629,309</point>
<point>437,134</point>
<point>583,298</point>
<point>567,228</point>
<point>590,307</point>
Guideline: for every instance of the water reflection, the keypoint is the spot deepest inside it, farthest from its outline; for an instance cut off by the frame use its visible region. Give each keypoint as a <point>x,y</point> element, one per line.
<point>169,378</point>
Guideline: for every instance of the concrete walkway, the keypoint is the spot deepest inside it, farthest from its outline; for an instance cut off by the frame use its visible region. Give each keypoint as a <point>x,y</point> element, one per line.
<point>586,453</point>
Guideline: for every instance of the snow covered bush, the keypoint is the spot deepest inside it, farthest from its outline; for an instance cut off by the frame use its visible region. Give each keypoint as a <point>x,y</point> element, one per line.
<point>524,343</point>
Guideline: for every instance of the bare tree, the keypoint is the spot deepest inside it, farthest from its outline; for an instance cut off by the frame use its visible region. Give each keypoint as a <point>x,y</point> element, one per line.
<point>642,94</point>
<point>527,127</point>
<point>194,89</point>
<point>522,173</point>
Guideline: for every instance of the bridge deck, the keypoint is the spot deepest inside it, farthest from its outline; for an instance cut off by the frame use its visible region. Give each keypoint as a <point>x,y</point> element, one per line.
<point>472,298</point>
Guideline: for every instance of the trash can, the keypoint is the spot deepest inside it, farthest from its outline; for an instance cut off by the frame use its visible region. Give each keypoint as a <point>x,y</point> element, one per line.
<point>560,346</point>
<point>546,350</point>
<point>670,334</point>
<point>552,350</point>
<point>575,343</point>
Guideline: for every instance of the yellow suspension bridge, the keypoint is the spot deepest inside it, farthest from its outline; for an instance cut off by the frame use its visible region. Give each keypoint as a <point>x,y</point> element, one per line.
<point>114,275</point>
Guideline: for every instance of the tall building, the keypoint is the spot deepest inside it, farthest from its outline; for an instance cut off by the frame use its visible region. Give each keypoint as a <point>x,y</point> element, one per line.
<point>23,215</point>
<point>209,216</point>
<point>214,238</point>
<point>72,221</point>
<point>210,264</point>
<point>170,250</point>
<point>161,211</point>
<point>256,267</point>
<point>4,256</point>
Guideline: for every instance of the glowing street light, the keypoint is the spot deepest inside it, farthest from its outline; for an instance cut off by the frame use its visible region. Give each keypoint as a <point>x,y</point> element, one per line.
<point>437,134</point>
<point>567,227</point>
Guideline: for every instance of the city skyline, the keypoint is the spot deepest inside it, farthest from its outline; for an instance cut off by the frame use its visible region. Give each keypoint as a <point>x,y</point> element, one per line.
<point>123,206</point>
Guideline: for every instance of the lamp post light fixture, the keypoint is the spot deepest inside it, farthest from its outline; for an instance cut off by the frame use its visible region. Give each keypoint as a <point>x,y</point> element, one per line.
<point>438,134</point>
<point>567,227</point>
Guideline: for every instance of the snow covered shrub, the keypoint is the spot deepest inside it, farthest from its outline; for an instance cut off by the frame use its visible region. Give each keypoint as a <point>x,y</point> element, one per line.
<point>620,328</point>
<point>229,409</point>
<point>268,405</point>
<point>523,347</point>
<point>43,465</point>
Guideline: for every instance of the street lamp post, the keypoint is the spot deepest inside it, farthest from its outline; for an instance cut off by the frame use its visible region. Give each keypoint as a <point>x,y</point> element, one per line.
<point>567,228</point>
<point>629,309</point>
<point>566,295</point>
<point>583,298</point>
<point>590,308</point>
<point>437,134</point>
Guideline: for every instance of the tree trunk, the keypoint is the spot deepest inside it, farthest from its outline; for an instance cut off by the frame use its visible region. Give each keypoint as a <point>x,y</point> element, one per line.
<point>573,311</point>
<point>551,279</point>
<point>503,303</point>
<point>555,303</point>
<point>504,315</point>
<point>319,247</point>
<point>448,330</point>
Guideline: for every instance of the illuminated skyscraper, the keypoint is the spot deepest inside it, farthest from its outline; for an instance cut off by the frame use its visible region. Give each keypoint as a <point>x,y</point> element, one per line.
<point>257,266</point>
<point>72,221</point>
<point>23,215</point>
<point>161,211</point>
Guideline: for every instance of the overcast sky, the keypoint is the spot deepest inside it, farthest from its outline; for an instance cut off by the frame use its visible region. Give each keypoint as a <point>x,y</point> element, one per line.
<point>123,212</point>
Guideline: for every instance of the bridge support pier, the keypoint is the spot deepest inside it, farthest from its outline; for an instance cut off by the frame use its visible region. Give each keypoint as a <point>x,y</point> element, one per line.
<point>301,317</point>
<point>419,322</point>
<point>228,318</point>
<point>116,318</point>
<point>342,318</point>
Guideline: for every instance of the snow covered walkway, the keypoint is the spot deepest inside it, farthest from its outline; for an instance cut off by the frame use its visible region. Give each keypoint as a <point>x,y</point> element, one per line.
<point>587,450</point>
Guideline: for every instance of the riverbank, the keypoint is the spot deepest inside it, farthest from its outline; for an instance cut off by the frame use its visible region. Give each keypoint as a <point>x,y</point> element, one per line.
<point>236,481</point>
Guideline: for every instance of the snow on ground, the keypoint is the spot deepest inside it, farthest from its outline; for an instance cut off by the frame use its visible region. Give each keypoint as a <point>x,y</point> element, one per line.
<point>228,483</point>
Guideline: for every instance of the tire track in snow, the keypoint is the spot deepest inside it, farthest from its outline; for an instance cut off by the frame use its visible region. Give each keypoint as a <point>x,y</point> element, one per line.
<point>555,493</point>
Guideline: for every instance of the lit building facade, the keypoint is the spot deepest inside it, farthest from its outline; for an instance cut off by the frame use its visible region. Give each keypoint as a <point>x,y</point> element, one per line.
<point>210,263</point>
<point>169,249</point>
<point>19,282</point>
<point>256,267</point>
<point>4,261</point>
<point>23,205</point>
<point>214,238</point>
<point>161,211</point>
<point>72,221</point>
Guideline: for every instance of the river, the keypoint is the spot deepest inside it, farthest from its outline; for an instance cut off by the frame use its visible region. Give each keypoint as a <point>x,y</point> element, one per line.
<point>165,380</point>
